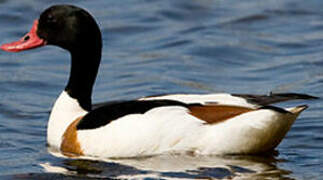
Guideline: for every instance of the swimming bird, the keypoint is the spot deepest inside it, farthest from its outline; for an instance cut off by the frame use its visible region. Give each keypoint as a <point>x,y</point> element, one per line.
<point>218,123</point>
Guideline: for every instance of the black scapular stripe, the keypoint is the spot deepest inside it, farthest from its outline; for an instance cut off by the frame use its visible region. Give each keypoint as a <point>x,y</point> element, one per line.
<point>103,115</point>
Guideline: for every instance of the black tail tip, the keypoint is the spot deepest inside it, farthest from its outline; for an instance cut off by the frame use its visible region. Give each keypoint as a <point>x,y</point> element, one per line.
<point>299,109</point>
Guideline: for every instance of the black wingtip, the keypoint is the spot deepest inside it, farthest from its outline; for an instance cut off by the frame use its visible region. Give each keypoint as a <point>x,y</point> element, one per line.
<point>274,108</point>
<point>294,95</point>
<point>272,98</point>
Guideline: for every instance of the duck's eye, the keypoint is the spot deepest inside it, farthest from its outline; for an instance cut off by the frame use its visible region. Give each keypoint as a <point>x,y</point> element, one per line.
<point>51,19</point>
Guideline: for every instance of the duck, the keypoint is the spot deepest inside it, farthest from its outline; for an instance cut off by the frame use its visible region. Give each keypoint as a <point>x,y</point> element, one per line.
<point>203,124</point>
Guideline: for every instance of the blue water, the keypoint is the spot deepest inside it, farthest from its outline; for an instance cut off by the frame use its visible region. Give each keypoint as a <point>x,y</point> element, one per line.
<point>155,47</point>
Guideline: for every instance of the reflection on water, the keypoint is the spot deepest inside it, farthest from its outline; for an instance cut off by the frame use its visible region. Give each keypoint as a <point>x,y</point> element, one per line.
<point>170,166</point>
<point>158,47</point>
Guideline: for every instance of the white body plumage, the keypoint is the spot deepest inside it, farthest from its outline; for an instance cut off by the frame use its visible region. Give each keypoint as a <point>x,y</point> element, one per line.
<point>174,129</point>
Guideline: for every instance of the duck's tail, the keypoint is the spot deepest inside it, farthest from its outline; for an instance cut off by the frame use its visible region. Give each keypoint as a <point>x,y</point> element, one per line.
<point>297,110</point>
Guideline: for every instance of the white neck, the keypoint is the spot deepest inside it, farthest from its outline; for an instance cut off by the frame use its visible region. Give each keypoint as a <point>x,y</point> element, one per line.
<point>65,111</point>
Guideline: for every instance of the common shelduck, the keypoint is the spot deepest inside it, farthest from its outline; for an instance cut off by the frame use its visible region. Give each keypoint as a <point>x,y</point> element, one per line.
<point>178,123</point>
